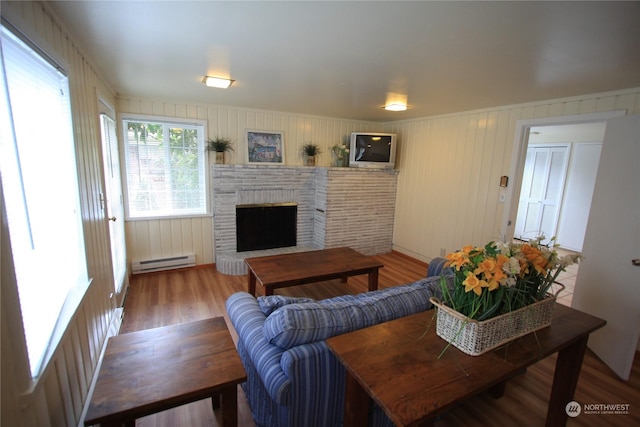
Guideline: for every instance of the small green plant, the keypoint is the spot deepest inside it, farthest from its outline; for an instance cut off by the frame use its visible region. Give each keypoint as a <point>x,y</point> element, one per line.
<point>219,144</point>
<point>311,150</point>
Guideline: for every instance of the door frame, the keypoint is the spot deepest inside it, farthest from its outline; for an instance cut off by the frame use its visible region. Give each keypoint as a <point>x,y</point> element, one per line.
<point>519,154</point>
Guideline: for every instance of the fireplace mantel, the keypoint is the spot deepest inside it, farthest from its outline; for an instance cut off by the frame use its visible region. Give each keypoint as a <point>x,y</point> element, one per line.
<point>336,207</point>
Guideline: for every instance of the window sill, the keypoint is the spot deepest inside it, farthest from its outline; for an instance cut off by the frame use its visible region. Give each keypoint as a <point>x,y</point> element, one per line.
<point>65,320</point>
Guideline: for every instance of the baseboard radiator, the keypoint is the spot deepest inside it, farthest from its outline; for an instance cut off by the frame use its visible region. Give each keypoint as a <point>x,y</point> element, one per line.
<point>160,264</point>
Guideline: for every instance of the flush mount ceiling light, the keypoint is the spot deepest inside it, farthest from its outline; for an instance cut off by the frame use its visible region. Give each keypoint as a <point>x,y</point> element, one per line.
<point>218,82</point>
<point>396,106</point>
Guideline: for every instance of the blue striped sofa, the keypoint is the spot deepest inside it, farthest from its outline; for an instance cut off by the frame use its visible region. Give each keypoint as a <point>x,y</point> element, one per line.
<point>293,379</point>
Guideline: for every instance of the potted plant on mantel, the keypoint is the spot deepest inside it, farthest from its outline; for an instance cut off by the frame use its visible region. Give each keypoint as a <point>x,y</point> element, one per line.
<point>220,145</point>
<point>310,152</point>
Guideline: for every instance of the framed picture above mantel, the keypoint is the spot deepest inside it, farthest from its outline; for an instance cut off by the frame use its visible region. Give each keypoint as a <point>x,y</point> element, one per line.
<point>264,147</point>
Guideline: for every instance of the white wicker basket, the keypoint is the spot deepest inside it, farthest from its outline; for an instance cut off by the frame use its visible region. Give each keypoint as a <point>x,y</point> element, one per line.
<point>475,338</point>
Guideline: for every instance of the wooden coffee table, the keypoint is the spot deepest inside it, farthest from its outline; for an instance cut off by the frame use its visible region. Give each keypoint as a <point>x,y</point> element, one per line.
<point>396,364</point>
<point>157,369</point>
<point>281,271</point>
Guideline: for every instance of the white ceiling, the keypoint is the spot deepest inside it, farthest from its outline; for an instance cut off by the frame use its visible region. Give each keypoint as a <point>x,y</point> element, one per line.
<point>345,59</point>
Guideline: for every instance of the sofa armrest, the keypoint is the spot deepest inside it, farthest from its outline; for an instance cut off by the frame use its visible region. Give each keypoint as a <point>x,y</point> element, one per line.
<point>318,385</point>
<point>247,319</point>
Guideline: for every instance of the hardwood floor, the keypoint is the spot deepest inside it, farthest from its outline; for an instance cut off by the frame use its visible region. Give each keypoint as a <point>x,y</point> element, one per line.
<point>160,299</point>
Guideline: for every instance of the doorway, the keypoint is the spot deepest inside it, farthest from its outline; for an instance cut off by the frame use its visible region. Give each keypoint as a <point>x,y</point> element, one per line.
<point>583,134</point>
<point>113,202</point>
<point>548,130</point>
<point>558,177</point>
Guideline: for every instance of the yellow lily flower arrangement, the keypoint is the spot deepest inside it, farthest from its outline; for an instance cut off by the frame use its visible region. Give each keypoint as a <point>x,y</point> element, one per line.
<point>499,277</point>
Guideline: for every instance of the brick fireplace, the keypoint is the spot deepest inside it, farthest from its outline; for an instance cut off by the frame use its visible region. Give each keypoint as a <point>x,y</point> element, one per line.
<point>335,207</point>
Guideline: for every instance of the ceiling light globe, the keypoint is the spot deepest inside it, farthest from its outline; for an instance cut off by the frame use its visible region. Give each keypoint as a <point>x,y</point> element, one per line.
<point>395,107</point>
<point>217,82</point>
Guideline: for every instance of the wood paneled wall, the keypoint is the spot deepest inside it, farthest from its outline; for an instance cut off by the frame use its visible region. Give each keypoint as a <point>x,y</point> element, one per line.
<point>450,167</point>
<point>57,397</point>
<point>167,237</point>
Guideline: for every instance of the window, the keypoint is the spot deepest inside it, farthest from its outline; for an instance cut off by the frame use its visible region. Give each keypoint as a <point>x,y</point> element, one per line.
<point>165,165</point>
<point>40,188</point>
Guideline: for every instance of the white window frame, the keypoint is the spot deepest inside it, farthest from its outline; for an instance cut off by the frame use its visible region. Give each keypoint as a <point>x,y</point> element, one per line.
<point>172,121</point>
<point>35,263</point>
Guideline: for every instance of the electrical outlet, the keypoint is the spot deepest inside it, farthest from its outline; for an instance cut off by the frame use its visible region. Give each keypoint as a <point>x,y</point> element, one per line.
<point>443,251</point>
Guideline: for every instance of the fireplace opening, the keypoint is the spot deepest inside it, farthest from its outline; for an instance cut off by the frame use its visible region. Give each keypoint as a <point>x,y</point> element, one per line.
<point>266,226</point>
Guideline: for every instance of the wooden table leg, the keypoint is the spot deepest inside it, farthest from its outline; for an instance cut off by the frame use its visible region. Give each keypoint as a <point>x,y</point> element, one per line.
<point>215,402</point>
<point>373,279</point>
<point>252,283</point>
<point>497,391</point>
<point>356,403</point>
<point>229,401</point>
<point>565,380</point>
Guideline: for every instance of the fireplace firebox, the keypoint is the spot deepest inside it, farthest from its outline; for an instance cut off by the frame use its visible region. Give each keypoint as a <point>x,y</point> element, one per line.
<point>266,226</point>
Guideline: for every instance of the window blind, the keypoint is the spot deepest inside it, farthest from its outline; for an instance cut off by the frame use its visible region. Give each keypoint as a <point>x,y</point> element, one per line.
<point>40,186</point>
<point>165,168</point>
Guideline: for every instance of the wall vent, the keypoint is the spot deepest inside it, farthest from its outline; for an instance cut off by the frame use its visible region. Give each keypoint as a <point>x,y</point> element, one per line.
<point>161,264</point>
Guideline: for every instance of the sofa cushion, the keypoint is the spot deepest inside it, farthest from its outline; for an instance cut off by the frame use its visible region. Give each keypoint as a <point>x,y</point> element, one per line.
<point>297,324</point>
<point>268,304</point>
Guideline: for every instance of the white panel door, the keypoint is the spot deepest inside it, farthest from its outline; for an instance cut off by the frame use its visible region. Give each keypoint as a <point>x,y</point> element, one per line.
<point>608,282</point>
<point>114,203</point>
<point>541,193</point>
